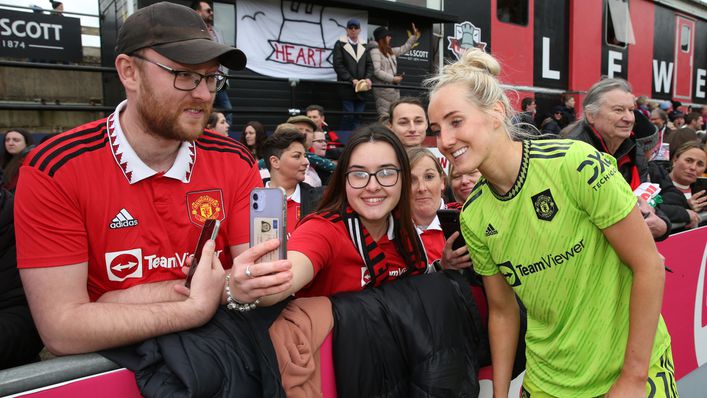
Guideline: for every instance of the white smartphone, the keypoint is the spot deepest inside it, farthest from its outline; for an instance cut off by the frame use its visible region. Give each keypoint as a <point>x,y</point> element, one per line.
<point>268,217</point>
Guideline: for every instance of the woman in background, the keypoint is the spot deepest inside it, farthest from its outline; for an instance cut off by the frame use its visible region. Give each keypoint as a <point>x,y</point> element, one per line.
<point>253,136</point>
<point>427,188</point>
<point>385,65</point>
<point>15,148</point>
<point>218,124</point>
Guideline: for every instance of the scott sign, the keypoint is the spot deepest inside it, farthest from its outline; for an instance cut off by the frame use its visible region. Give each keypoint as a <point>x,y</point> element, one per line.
<point>40,36</point>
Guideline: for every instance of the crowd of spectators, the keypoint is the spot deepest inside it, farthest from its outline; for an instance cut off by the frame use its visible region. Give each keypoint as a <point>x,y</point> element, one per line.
<point>362,213</point>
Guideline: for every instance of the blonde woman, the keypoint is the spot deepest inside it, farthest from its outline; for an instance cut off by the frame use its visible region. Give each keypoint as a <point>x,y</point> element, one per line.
<point>571,244</point>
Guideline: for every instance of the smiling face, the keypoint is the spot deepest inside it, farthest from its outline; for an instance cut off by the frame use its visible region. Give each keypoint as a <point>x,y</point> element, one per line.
<point>427,187</point>
<point>319,144</point>
<point>463,183</point>
<point>14,142</point>
<point>165,111</point>
<point>373,202</point>
<point>464,132</point>
<point>614,120</point>
<point>688,166</point>
<point>409,123</point>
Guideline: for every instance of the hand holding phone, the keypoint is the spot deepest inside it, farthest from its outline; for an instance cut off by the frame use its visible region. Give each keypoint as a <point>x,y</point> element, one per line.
<point>699,185</point>
<point>449,220</point>
<point>268,216</point>
<point>208,232</point>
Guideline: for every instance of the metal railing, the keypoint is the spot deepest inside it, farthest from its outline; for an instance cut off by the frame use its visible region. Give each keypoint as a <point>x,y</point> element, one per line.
<point>52,371</point>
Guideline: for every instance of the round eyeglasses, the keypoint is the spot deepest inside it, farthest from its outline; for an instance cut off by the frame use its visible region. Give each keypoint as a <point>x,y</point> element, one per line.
<point>187,81</point>
<point>387,177</point>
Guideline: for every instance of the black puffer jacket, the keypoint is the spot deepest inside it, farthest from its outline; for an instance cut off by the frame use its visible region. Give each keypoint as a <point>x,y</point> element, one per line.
<point>230,356</point>
<point>416,337</point>
<point>674,202</point>
<point>19,341</point>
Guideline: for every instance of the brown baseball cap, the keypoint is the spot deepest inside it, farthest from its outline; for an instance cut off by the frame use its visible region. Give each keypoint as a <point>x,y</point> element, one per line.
<point>176,32</point>
<point>303,119</point>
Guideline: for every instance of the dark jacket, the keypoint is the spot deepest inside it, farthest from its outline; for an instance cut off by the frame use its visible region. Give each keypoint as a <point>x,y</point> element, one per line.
<point>309,198</point>
<point>230,356</point>
<point>551,127</point>
<point>348,67</point>
<point>569,115</point>
<point>674,202</point>
<point>19,341</point>
<point>419,336</point>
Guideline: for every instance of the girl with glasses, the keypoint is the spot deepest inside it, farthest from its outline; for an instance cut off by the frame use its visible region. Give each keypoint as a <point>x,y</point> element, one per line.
<point>361,235</point>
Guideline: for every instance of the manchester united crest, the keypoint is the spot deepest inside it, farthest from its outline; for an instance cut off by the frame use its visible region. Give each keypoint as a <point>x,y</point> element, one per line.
<point>204,205</point>
<point>544,205</point>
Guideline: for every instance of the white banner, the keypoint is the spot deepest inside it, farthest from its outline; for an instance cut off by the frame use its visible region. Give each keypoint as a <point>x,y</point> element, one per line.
<point>292,38</point>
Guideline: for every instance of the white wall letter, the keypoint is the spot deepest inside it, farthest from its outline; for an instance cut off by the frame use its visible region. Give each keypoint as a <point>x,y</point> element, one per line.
<point>614,67</point>
<point>662,78</point>
<point>547,72</point>
<point>700,83</point>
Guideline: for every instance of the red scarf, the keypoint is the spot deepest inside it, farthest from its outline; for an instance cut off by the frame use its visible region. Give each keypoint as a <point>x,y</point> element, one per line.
<point>371,254</point>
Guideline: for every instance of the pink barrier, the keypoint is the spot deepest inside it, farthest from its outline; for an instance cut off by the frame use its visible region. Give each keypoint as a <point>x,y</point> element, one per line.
<point>684,310</point>
<point>116,384</point>
<point>685,298</point>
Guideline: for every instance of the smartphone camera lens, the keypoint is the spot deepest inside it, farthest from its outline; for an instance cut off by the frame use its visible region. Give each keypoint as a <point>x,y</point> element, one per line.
<point>255,206</point>
<point>255,196</point>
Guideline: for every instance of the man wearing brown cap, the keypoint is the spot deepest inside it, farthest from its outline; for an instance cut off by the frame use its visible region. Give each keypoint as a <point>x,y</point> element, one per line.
<point>108,213</point>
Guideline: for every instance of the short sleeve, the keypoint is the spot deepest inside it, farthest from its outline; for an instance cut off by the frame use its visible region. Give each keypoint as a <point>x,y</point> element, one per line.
<point>238,231</point>
<point>48,223</point>
<point>315,238</point>
<point>592,179</point>
<point>478,250</point>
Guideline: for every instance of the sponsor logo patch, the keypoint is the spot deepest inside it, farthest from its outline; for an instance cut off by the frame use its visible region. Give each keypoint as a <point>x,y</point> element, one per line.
<point>490,230</point>
<point>509,273</point>
<point>598,165</point>
<point>123,220</point>
<point>365,276</point>
<point>203,205</point>
<point>124,264</point>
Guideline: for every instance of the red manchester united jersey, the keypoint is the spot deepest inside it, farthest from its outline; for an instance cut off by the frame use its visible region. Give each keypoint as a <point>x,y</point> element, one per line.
<point>338,266</point>
<point>85,196</point>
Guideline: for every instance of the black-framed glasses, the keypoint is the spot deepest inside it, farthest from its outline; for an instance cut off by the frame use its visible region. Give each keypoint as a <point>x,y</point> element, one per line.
<point>386,177</point>
<point>185,80</point>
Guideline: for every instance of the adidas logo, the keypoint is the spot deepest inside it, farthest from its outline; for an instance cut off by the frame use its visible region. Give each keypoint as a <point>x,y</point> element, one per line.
<point>123,220</point>
<point>490,230</point>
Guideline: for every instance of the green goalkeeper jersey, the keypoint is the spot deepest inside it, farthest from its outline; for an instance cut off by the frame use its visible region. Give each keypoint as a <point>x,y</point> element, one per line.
<point>545,237</point>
